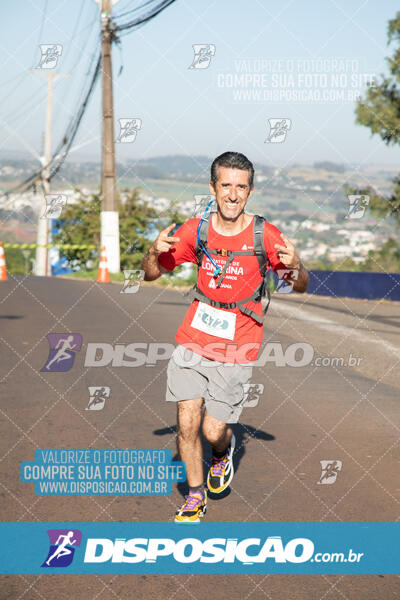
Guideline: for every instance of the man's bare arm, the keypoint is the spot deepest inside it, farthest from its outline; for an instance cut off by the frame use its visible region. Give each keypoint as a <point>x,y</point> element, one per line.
<point>301,283</point>
<point>150,265</point>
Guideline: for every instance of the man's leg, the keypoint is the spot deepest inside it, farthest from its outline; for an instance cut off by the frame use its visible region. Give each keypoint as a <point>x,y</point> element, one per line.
<point>191,451</point>
<point>222,441</point>
<point>188,440</point>
<point>217,433</point>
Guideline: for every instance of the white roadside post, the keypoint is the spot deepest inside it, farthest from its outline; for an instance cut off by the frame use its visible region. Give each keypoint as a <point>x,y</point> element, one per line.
<point>109,207</point>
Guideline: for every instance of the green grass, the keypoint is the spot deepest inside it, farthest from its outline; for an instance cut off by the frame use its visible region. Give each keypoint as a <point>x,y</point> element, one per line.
<point>165,280</point>
<point>92,275</point>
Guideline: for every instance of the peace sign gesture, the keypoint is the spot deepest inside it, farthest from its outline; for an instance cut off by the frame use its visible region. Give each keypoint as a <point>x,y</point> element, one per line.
<point>287,254</point>
<point>163,243</point>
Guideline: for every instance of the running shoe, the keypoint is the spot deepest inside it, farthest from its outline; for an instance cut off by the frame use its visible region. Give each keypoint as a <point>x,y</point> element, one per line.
<point>193,508</point>
<point>221,472</point>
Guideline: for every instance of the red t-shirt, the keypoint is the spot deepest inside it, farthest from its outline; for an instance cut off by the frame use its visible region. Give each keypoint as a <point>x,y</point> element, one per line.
<point>240,281</point>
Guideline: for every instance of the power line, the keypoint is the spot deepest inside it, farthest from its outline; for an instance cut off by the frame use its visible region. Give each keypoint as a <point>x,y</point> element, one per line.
<point>42,23</point>
<point>132,10</point>
<point>22,109</point>
<point>13,79</point>
<point>93,57</point>
<point>7,96</point>
<point>74,29</point>
<point>81,52</point>
<point>63,147</point>
<point>61,152</point>
<point>146,18</point>
<point>72,130</point>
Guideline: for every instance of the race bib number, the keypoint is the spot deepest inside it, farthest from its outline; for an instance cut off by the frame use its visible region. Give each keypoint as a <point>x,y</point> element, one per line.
<point>214,321</point>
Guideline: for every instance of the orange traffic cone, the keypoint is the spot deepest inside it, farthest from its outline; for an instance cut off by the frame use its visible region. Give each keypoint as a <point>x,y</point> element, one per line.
<point>3,269</point>
<point>103,275</point>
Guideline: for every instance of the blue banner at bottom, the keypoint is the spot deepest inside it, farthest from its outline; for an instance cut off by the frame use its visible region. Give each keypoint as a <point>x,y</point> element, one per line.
<point>208,548</point>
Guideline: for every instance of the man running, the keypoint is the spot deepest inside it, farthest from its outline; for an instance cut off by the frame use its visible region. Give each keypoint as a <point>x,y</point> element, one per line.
<point>221,333</point>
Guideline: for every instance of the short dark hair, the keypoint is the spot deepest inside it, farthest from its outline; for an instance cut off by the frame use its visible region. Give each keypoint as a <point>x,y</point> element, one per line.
<point>232,160</point>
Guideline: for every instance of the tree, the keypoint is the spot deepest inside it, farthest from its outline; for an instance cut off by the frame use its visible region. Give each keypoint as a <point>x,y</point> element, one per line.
<point>380,111</point>
<point>17,263</point>
<point>386,259</point>
<point>380,108</point>
<point>79,224</point>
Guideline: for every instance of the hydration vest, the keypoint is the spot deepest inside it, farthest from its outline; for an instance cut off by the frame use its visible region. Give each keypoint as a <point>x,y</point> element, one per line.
<point>263,263</point>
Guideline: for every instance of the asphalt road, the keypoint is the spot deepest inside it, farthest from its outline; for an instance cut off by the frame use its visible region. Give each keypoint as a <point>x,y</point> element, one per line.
<point>306,414</point>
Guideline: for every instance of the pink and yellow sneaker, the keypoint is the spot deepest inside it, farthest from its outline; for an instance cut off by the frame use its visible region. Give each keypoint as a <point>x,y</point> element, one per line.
<point>193,508</point>
<point>221,472</point>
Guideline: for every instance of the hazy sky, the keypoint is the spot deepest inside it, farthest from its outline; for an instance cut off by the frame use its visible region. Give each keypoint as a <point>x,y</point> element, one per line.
<point>323,50</point>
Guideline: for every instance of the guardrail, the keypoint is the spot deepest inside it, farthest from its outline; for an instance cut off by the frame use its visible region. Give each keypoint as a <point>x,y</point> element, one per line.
<point>370,286</point>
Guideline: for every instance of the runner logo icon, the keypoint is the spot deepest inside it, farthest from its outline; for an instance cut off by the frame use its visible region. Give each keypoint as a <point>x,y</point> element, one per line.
<point>252,393</point>
<point>128,129</point>
<point>330,470</point>
<point>203,54</point>
<point>62,351</point>
<point>97,397</point>
<point>357,206</point>
<point>286,279</point>
<point>50,53</point>
<point>133,279</point>
<point>201,202</point>
<point>54,205</point>
<point>278,130</point>
<point>61,551</point>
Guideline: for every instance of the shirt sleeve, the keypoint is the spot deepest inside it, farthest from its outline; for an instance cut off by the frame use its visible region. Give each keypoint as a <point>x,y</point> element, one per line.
<point>272,236</point>
<point>182,251</point>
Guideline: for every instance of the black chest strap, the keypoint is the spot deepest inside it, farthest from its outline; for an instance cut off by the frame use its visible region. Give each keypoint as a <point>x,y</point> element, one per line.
<point>259,252</point>
<point>255,296</point>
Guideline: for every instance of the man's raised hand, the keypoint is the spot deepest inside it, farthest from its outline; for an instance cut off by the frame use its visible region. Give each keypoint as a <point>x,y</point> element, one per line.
<point>287,254</point>
<point>163,243</point>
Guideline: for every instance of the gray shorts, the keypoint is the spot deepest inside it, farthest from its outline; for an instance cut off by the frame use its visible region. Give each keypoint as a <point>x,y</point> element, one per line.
<point>190,375</point>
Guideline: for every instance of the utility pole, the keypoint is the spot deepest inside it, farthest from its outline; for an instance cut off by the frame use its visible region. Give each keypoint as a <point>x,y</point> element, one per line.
<point>41,266</point>
<point>109,206</point>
